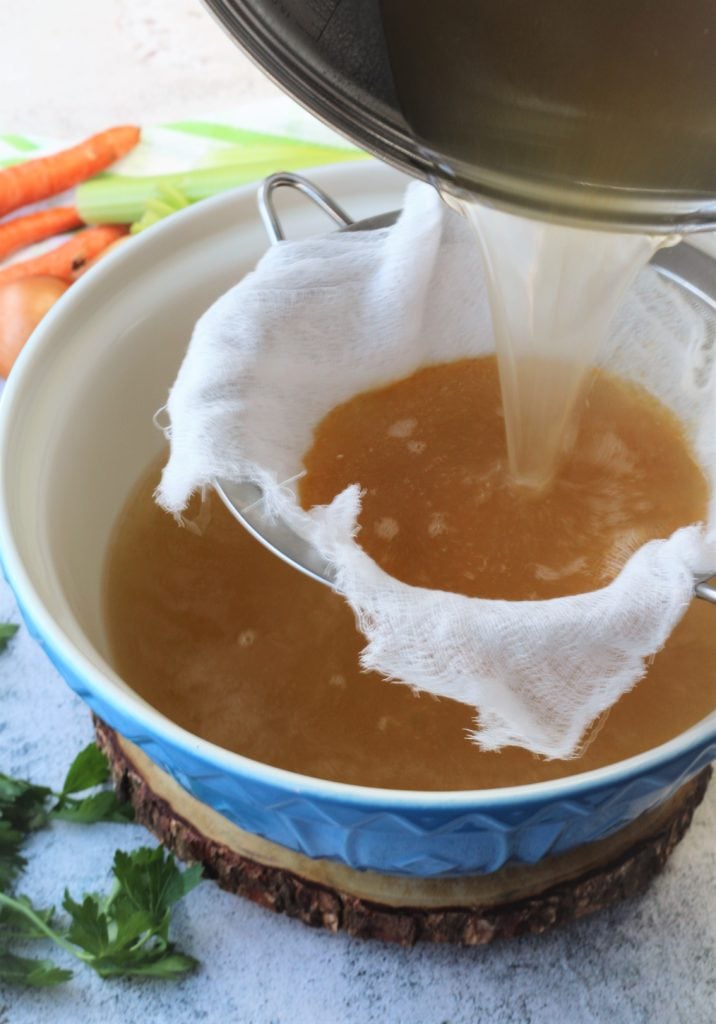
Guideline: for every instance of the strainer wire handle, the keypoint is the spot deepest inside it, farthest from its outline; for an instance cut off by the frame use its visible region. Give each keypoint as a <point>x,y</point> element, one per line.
<point>284,179</point>
<point>706,589</point>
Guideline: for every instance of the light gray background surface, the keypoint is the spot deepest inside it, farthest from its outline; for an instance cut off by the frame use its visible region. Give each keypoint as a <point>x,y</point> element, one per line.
<point>650,961</point>
<point>76,66</point>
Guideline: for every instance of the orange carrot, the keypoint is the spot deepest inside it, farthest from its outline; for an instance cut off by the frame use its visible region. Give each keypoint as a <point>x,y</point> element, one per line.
<point>47,175</point>
<point>65,260</point>
<point>35,227</point>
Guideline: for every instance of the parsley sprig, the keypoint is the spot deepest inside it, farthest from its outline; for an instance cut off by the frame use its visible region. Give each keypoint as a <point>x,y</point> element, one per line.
<point>7,632</point>
<point>26,807</point>
<point>88,770</point>
<point>22,811</point>
<point>123,933</point>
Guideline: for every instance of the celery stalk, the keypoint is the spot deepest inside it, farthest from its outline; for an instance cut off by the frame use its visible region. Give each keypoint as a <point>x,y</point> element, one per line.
<point>121,199</point>
<point>243,137</point>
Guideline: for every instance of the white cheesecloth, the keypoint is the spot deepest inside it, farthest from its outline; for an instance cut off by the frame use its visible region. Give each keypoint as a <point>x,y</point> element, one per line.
<point>319,321</point>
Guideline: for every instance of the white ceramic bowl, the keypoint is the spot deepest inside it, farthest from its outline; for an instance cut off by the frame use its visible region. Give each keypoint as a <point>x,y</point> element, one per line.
<point>76,433</point>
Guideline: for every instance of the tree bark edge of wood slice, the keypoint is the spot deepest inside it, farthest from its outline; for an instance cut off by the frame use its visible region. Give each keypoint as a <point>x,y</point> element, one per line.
<point>318,905</point>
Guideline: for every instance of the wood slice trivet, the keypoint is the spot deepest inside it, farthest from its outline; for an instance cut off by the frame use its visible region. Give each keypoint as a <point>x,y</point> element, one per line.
<point>515,901</point>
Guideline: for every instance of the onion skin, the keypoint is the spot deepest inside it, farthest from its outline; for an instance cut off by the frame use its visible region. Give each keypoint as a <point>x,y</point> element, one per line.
<point>22,305</point>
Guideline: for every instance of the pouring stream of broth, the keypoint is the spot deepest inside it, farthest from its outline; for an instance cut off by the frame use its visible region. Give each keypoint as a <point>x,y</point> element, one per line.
<point>553,292</point>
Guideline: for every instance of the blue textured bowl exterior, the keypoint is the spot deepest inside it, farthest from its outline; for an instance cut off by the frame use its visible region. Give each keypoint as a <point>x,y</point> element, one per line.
<point>394,837</point>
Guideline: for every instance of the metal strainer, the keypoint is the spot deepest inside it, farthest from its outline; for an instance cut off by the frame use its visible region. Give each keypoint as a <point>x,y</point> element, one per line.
<point>690,269</point>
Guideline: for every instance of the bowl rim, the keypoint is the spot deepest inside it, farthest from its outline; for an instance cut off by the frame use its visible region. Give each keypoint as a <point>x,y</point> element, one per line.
<point>18,393</point>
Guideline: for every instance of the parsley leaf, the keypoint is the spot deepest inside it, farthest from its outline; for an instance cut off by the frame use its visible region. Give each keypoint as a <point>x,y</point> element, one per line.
<point>90,768</point>
<point>104,806</point>
<point>20,920</point>
<point>19,970</point>
<point>7,632</point>
<point>11,860</point>
<point>22,810</point>
<point>127,933</point>
<point>150,881</point>
<point>22,803</point>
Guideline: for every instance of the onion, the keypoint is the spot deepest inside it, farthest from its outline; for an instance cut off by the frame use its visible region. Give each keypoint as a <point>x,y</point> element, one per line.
<point>22,305</point>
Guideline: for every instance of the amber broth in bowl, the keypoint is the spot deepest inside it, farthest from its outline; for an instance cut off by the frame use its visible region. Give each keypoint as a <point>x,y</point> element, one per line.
<point>232,644</point>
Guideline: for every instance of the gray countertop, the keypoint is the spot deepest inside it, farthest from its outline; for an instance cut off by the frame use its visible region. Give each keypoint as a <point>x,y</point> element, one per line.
<point>75,67</point>
<point>649,961</point>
